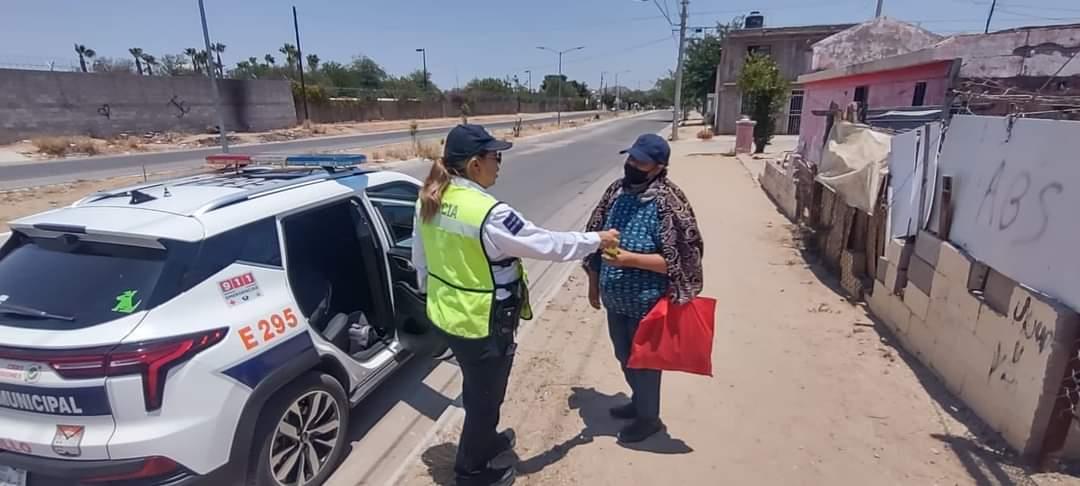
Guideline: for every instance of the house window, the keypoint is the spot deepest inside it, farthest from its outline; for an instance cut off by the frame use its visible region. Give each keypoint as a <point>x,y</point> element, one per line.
<point>759,50</point>
<point>795,112</point>
<point>920,94</point>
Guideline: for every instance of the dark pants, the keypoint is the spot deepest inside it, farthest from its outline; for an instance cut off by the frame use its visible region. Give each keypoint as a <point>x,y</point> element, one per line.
<point>485,370</point>
<point>644,384</point>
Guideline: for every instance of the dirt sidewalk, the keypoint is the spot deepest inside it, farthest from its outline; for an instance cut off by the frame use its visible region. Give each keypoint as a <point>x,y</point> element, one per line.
<point>806,390</point>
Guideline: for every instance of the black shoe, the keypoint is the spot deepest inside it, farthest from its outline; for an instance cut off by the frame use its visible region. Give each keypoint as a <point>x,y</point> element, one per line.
<point>625,412</point>
<point>505,441</point>
<point>640,429</point>
<point>488,477</point>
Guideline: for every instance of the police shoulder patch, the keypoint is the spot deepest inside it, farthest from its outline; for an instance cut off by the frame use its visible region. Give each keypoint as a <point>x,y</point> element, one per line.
<point>513,223</point>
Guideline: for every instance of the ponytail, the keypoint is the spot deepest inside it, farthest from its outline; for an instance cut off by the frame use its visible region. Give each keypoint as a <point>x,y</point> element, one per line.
<point>431,193</point>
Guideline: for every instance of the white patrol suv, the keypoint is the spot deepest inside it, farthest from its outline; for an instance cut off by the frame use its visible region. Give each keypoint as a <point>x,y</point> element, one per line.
<point>215,329</point>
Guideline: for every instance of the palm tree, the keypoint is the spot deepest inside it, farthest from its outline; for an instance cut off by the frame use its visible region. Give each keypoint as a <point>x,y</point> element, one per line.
<point>313,62</point>
<point>137,53</point>
<point>193,53</point>
<point>84,54</point>
<point>202,59</point>
<point>290,54</point>
<point>150,62</point>
<point>219,48</point>
<point>270,61</point>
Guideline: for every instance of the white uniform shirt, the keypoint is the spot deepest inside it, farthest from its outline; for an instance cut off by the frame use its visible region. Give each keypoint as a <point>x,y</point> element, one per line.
<point>506,234</point>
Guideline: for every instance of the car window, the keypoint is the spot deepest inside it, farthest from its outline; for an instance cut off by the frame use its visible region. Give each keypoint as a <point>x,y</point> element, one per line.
<point>399,220</point>
<point>255,243</point>
<point>399,191</point>
<point>89,282</point>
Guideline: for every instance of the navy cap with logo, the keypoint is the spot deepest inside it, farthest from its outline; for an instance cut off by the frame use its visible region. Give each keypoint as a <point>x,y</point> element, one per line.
<point>650,148</point>
<point>465,141</point>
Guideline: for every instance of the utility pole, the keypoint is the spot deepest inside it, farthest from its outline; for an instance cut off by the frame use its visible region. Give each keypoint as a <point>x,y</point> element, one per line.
<point>880,5</point>
<point>990,16</point>
<point>300,62</point>
<point>603,91</point>
<point>423,55</point>
<point>679,72</point>
<point>558,116</point>
<point>213,83</point>
<point>529,72</point>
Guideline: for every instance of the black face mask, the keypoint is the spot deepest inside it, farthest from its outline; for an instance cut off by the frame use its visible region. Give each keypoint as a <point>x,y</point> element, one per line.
<point>634,175</point>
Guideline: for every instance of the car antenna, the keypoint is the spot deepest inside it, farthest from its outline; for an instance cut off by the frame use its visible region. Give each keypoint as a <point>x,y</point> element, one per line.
<point>167,193</point>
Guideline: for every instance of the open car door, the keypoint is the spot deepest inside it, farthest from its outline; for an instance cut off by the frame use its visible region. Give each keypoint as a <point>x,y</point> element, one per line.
<point>414,330</point>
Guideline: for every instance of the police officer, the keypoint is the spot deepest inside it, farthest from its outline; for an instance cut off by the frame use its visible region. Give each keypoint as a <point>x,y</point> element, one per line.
<point>467,250</point>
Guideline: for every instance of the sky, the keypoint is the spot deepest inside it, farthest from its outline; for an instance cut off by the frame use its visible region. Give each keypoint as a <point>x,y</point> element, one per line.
<point>464,38</point>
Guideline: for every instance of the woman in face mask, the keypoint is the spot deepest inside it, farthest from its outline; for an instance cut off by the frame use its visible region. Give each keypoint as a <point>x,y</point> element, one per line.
<point>659,255</point>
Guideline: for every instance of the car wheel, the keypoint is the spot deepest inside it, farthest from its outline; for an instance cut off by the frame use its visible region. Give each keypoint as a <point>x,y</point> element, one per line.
<point>301,433</point>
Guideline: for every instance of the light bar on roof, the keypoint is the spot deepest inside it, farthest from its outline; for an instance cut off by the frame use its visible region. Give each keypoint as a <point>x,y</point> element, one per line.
<point>337,161</point>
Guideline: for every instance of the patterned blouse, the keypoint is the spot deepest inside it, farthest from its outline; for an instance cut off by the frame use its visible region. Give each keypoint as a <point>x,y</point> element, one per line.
<point>679,240</point>
<point>632,292</point>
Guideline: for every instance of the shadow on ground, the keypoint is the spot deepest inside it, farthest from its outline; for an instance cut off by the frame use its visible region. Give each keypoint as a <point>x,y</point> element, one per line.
<point>592,406</point>
<point>983,453</point>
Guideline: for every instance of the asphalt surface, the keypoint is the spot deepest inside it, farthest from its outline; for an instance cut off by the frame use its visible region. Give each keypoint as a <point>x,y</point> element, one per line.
<point>67,170</point>
<point>540,175</point>
<point>553,180</point>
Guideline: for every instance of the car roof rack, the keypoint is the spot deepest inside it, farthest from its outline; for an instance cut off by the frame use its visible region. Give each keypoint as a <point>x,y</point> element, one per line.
<point>328,162</point>
<point>126,191</point>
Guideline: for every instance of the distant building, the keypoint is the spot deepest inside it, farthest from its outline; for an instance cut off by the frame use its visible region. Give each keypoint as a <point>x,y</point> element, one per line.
<point>1029,69</point>
<point>789,46</point>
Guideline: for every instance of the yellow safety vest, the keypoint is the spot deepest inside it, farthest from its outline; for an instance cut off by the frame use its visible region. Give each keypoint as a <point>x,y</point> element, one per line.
<point>461,283</point>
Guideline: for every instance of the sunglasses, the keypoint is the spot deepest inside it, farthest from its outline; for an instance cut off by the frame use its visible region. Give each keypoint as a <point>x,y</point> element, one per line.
<point>498,156</point>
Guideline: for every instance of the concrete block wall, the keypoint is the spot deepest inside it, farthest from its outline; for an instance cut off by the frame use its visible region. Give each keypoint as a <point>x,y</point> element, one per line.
<point>1006,366</point>
<point>780,187</point>
<point>37,103</point>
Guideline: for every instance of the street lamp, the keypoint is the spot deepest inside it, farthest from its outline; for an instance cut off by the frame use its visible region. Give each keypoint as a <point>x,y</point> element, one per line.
<point>423,55</point>
<point>618,90</point>
<point>529,72</point>
<point>558,116</point>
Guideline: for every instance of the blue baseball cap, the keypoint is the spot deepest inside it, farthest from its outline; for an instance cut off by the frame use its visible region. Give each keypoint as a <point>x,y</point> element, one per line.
<point>650,148</point>
<point>466,140</point>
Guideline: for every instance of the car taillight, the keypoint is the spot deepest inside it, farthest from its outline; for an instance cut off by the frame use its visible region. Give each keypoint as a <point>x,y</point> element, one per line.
<point>151,359</point>
<point>152,467</point>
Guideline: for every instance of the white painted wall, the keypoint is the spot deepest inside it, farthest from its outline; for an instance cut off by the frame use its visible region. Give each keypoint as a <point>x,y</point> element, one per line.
<point>1016,194</point>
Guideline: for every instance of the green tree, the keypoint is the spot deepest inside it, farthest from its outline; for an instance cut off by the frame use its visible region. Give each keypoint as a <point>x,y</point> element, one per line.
<point>291,55</point>
<point>313,62</point>
<point>173,65</point>
<point>193,53</point>
<point>150,62</point>
<point>137,53</point>
<point>765,91</point>
<point>84,54</point>
<point>219,49</point>
<point>489,86</point>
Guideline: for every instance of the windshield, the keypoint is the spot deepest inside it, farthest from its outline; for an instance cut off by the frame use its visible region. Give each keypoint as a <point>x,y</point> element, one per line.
<point>90,283</point>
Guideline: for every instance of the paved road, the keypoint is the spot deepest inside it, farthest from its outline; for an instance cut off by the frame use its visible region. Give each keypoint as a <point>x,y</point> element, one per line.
<point>67,170</point>
<point>553,180</point>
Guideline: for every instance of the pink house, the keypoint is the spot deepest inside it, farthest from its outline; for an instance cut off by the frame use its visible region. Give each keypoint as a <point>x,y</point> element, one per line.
<point>919,78</point>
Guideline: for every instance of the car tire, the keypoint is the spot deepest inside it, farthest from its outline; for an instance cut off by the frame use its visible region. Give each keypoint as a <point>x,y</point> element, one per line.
<point>292,432</point>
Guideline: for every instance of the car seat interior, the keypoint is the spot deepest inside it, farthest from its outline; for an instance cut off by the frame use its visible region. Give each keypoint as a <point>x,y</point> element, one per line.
<point>328,275</point>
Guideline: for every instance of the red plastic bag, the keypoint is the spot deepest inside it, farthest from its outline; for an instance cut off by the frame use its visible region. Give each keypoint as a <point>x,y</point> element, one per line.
<point>676,337</point>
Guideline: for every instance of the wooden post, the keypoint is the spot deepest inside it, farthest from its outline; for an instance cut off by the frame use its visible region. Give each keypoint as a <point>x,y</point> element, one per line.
<point>945,223</point>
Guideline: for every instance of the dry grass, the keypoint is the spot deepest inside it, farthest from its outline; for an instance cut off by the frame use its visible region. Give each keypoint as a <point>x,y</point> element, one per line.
<point>61,146</point>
